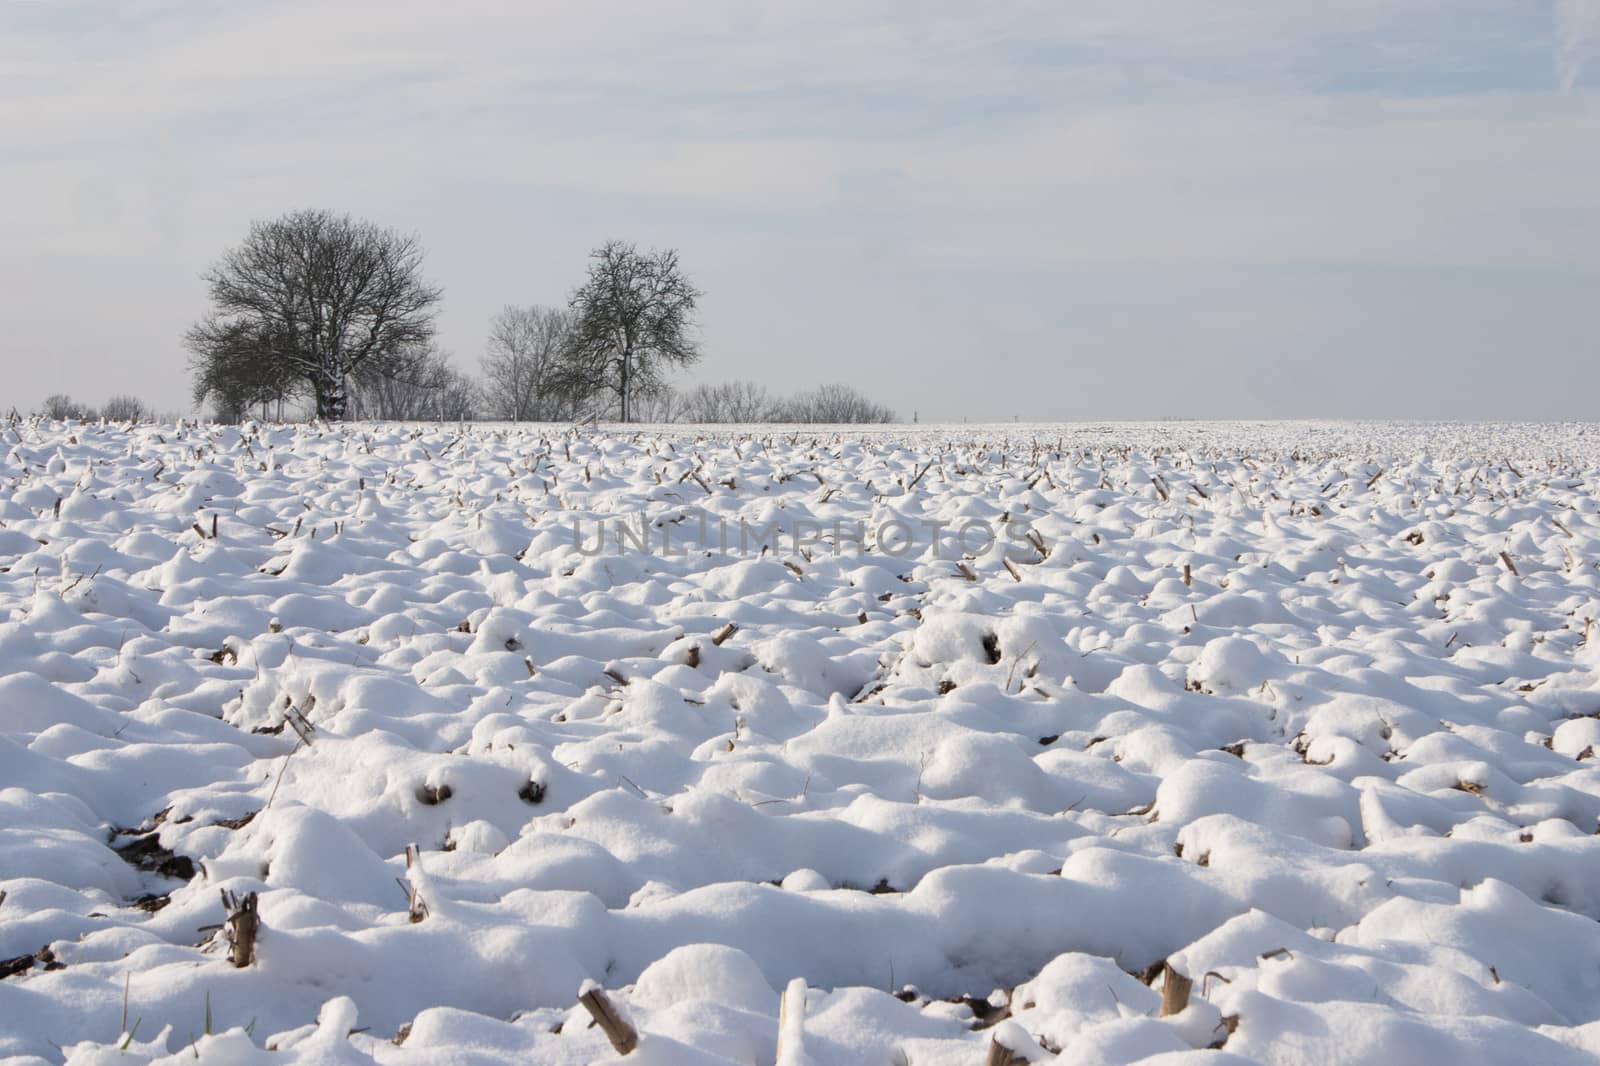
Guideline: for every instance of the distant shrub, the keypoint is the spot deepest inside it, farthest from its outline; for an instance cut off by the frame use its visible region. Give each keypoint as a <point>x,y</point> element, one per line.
<point>125,408</point>
<point>63,408</point>
<point>746,401</point>
<point>831,403</point>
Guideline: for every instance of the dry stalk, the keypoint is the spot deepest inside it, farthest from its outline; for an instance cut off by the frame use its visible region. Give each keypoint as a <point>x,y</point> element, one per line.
<point>416,906</point>
<point>243,924</point>
<point>1000,1055</point>
<point>792,1022</point>
<point>623,1037</point>
<point>1174,991</point>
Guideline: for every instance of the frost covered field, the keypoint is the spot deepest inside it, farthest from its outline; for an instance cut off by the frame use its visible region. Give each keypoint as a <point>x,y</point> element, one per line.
<point>1306,711</point>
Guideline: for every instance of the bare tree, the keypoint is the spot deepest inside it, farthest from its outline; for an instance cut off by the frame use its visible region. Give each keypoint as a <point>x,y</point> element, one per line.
<point>238,374</point>
<point>662,403</point>
<point>521,369</point>
<point>746,401</point>
<point>633,318</point>
<point>125,408</point>
<point>729,401</point>
<point>703,403</point>
<point>62,407</point>
<point>458,398</point>
<point>831,404</point>
<point>423,388</point>
<point>312,297</point>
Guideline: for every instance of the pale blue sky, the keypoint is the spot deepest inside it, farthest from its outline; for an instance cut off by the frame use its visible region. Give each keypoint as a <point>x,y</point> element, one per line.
<point>1117,208</point>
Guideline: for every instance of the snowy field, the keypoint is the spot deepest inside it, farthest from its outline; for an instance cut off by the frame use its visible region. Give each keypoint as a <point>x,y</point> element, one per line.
<point>1305,711</point>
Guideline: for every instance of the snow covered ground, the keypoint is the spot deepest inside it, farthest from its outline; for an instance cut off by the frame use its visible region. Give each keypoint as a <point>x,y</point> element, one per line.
<point>1306,710</point>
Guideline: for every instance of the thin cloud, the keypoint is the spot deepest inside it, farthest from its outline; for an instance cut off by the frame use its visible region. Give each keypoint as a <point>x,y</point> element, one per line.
<point>1577,38</point>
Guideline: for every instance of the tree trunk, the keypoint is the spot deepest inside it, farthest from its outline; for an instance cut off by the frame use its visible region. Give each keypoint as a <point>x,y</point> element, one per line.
<point>627,388</point>
<point>333,397</point>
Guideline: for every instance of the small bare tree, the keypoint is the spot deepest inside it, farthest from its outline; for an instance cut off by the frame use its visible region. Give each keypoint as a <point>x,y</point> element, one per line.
<point>423,388</point>
<point>238,374</point>
<point>729,401</point>
<point>458,398</point>
<point>314,297</point>
<point>521,369</point>
<point>62,407</point>
<point>662,403</point>
<point>632,319</point>
<point>125,408</point>
<point>832,404</point>
<point>748,402</point>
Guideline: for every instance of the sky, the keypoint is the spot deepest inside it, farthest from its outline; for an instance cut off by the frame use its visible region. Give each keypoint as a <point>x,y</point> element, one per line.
<point>1035,209</point>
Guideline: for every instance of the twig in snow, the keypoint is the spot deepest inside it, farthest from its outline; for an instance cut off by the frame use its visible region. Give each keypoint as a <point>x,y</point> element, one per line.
<point>806,787</point>
<point>80,580</point>
<point>273,794</point>
<point>1015,662</point>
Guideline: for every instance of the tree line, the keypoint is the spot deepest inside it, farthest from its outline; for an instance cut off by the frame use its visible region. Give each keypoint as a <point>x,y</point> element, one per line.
<point>123,407</point>
<point>329,314</point>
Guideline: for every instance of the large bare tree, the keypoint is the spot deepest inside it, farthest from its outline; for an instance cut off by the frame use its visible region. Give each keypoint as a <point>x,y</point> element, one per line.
<point>521,368</point>
<point>633,318</point>
<point>313,297</point>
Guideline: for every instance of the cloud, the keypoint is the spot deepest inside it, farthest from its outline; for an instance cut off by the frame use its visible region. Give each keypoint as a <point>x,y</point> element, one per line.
<point>1577,37</point>
<point>1131,129</point>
